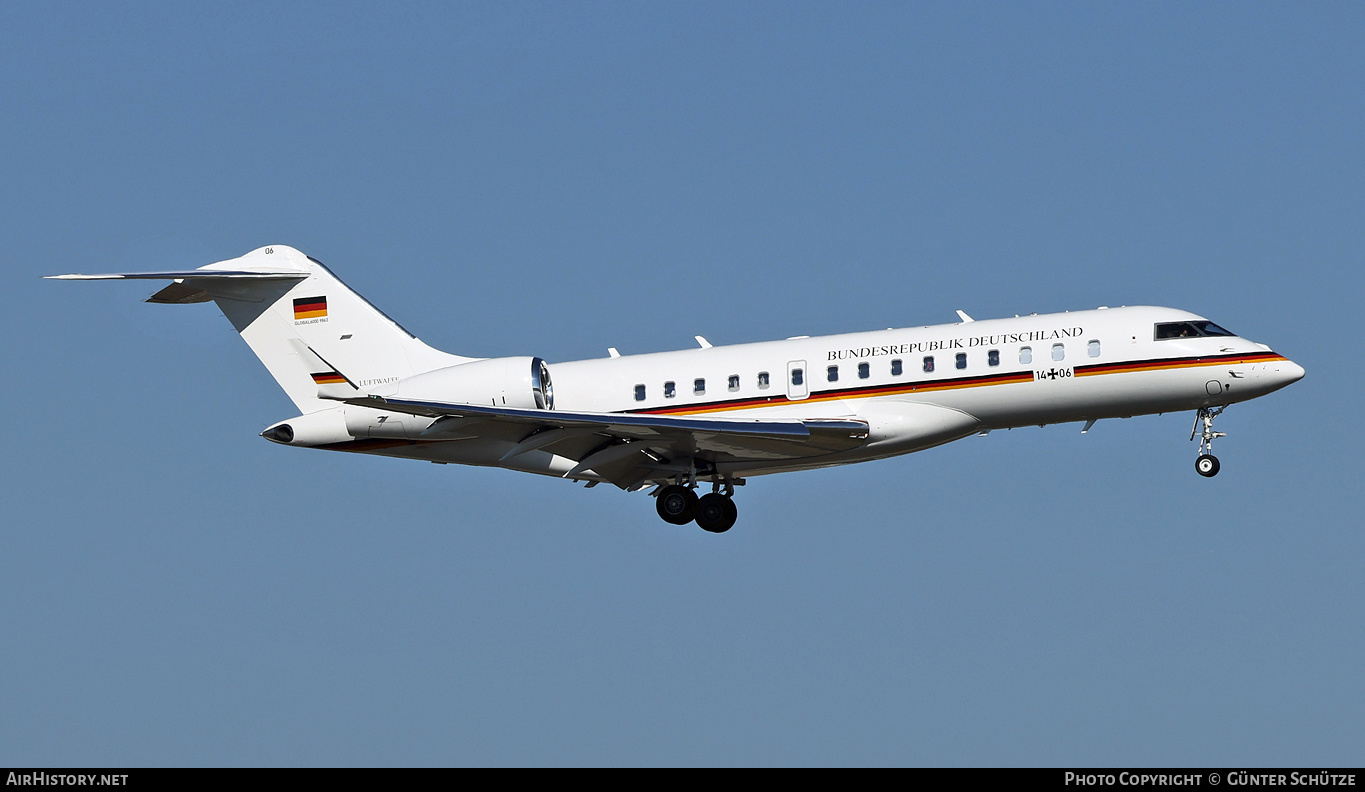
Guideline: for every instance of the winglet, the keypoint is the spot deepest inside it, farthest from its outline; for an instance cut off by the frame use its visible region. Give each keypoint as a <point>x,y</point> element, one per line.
<point>703,342</point>
<point>964,317</point>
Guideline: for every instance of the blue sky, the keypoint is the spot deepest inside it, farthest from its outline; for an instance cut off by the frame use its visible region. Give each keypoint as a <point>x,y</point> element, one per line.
<point>554,179</point>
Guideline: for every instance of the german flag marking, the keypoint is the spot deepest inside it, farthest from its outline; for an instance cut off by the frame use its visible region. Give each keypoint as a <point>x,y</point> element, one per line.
<point>329,378</point>
<point>310,307</point>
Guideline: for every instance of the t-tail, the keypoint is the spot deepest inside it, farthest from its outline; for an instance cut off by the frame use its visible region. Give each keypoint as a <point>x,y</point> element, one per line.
<point>309,329</point>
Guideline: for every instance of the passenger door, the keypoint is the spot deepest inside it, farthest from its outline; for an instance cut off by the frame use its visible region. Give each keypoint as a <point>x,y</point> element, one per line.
<point>798,380</point>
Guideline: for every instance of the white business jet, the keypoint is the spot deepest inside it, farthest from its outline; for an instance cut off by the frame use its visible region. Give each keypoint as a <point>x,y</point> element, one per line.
<point>717,414</point>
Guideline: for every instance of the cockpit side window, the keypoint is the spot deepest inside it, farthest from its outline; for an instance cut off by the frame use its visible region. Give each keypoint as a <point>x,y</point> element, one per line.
<point>1210,329</point>
<point>1167,330</point>
<point>1199,329</point>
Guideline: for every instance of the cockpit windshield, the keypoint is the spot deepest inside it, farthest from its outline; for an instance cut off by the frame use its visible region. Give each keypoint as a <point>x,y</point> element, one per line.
<point>1199,329</point>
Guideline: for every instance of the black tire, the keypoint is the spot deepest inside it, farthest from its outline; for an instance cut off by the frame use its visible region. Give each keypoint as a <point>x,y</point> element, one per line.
<point>1207,465</point>
<point>676,504</point>
<point>731,513</point>
<point>716,513</point>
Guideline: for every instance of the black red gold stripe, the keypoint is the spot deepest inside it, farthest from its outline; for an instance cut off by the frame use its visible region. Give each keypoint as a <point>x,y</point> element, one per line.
<point>958,383</point>
<point>845,393</point>
<point>1162,364</point>
<point>310,307</point>
<point>329,378</point>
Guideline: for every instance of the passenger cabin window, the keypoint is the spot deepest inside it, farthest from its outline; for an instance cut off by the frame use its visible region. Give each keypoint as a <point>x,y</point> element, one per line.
<point>699,387</point>
<point>896,368</point>
<point>864,371</point>
<point>962,360</point>
<point>733,384</point>
<point>763,380</point>
<point>1197,329</point>
<point>993,357</point>
<point>928,364</point>
<point>1092,348</point>
<point>670,390</point>
<point>798,376</point>
<point>832,373</point>
<point>639,393</point>
<point>1059,351</point>
<point>1025,355</point>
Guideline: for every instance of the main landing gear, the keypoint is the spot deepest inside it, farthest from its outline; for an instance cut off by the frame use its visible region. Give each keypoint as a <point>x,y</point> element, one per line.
<point>714,512</point>
<point>1207,464</point>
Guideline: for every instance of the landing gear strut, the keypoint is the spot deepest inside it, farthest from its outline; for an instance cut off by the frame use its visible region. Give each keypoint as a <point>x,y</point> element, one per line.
<point>1207,464</point>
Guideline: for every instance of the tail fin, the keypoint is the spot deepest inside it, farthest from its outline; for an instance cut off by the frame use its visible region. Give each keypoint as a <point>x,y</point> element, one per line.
<point>294,313</point>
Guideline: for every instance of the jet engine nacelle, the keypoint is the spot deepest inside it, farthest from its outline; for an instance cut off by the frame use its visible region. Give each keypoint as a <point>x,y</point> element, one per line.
<point>522,382</point>
<point>314,429</point>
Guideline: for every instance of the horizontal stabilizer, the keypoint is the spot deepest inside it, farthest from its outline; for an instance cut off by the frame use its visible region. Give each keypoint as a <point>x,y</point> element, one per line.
<point>196,274</point>
<point>182,293</point>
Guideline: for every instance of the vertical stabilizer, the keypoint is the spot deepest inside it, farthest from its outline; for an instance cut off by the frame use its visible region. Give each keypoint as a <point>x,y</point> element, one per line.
<point>282,320</point>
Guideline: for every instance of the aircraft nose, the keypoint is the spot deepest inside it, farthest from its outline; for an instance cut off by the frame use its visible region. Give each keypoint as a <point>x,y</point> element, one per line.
<point>1287,372</point>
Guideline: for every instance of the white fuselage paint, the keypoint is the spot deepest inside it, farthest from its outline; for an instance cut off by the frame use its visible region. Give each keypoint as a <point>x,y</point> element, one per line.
<point>1129,372</point>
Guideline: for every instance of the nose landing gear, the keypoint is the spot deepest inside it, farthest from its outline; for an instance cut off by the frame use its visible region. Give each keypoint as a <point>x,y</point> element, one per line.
<point>1206,464</point>
<point>714,512</point>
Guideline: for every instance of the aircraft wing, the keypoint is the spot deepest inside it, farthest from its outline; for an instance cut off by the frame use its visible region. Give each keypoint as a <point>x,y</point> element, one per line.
<point>629,449</point>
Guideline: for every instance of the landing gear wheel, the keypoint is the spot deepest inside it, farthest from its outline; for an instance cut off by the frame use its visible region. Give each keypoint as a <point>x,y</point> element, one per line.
<point>716,513</point>
<point>676,504</point>
<point>1207,464</point>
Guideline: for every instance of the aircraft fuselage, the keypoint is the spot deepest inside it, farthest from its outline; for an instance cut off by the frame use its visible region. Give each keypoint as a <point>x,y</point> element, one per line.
<point>974,376</point>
